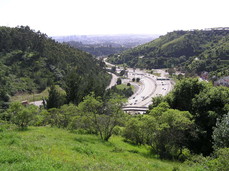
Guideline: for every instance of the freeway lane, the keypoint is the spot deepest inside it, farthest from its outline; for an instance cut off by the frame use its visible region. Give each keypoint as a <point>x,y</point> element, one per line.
<point>113,80</point>
<point>142,97</point>
<point>149,86</point>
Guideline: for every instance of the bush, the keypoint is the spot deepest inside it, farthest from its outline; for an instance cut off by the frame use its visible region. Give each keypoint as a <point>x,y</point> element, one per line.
<point>118,130</point>
<point>218,162</point>
<point>119,81</point>
<point>221,133</point>
<point>20,115</point>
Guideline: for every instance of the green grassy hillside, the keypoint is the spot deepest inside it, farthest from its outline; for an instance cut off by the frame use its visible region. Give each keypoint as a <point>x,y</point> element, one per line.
<point>45,148</point>
<point>181,49</point>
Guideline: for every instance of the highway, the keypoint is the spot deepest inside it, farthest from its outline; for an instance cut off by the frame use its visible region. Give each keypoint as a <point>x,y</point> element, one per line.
<point>113,80</point>
<point>148,87</point>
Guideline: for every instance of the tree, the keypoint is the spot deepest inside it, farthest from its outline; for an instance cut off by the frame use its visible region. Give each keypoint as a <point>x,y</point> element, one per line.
<point>61,117</point>
<point>4,98</point>
<point>122,72</point>
<point>158,110</point>
<point>219,160</point>
<point>127,92</point>
<point>4,85</point>
<point>21,115</point>
<point>138,79</point>
<point>171,71</point>
<point>113,69</point>
<point>172,126</point>
<point>132,131</point>
<point>128,84</point>
<point>133,79</point>
<point>207,106</point>
<point>206,103</point>
<point>180,77</point>
<point>221,133</point>
<point>55,99</point>
<point>156,101</point>
<point>119,81</point>
<point>140,129</point>
<point>113,116</point>
<point>89,109</point>
<point>72,87</point>
<point>102,117</point>
<point>164,130</point>
<point>183,93</point>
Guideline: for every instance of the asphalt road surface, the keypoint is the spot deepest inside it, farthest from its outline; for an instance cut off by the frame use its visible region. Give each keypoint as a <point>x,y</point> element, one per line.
<point>113,80</point>
<point>149,87</point>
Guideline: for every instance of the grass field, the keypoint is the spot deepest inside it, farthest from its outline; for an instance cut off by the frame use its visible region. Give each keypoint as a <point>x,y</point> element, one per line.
<point>157,74</point>
<point>122,86</point>
<point>45,148</point>
<point>34,96</point>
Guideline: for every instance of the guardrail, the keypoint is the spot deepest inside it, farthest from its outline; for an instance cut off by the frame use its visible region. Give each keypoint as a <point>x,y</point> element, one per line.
<point>137,107</point>
<point>134,108</point>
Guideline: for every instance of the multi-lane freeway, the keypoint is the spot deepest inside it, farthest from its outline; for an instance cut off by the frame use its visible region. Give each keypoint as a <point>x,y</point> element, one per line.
<point>148,87</point>
<point>113,80</point>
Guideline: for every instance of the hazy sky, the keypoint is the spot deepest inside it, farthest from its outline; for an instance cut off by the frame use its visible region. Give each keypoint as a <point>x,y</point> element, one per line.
<point>76,17</point>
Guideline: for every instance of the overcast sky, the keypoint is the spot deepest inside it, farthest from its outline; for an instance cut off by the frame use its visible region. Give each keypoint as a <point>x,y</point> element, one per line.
<point>77,17</point>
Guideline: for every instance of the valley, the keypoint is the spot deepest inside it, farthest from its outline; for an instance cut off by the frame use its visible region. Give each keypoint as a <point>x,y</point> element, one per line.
<point>122,115</point>
<point>118,85</point>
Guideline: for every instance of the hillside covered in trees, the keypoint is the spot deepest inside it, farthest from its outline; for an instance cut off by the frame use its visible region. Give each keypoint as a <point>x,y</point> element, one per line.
<point>198,50</point>
<point>86,128</point>
<point>30,61</point>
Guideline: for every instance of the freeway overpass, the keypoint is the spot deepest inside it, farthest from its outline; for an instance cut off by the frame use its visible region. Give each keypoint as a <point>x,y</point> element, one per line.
<point>135,109</point>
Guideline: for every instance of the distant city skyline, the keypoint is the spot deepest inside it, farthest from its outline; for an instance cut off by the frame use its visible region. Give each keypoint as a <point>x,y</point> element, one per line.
<point>94,17</point>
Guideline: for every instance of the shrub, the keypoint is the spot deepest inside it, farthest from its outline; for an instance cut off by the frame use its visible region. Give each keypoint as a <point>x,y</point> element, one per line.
<point>221,133</point>
<point>21,115</point>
